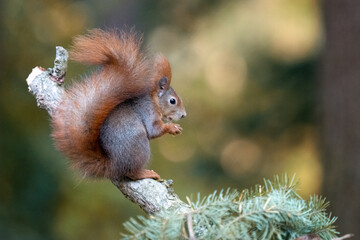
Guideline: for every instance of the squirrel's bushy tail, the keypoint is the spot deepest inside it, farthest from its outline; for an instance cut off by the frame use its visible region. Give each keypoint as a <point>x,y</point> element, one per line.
<point>125,74</point>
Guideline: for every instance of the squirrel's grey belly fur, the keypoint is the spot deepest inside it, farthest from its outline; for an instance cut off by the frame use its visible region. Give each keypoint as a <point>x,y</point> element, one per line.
<point>124,140</point>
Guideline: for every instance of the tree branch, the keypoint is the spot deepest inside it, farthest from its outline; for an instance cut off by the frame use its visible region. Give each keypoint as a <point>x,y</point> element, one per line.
<point>150,195</point>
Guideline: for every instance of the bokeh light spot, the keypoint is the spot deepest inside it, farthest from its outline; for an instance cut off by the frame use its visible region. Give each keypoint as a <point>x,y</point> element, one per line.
<point>240,156</point>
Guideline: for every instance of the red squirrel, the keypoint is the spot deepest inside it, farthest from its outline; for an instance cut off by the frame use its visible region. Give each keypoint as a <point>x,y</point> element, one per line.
<point>104,123</point>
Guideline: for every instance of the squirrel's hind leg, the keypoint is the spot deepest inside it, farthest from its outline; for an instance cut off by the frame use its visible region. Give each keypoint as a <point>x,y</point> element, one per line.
<point>142,174</point>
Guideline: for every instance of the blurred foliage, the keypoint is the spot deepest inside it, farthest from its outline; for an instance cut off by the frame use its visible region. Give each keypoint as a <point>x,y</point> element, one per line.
<point>245,69</point>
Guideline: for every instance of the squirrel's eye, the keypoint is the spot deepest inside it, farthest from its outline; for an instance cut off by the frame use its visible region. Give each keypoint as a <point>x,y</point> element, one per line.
<point>172,101</point>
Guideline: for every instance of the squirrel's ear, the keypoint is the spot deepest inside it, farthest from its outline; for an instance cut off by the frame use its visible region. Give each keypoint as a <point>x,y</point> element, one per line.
<point>162,84</point>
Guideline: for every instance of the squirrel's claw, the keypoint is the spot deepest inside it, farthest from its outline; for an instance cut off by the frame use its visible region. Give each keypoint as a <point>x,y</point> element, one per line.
<point>175,129</point>
<point>144,173</point>
<point>180,128</point>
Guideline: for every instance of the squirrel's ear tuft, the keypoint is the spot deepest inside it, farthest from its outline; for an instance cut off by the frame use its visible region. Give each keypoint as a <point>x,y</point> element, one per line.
<point>162,67</point>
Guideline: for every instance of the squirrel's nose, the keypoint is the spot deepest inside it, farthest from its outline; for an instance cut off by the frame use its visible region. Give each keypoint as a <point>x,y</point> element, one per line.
<point>184,115</point>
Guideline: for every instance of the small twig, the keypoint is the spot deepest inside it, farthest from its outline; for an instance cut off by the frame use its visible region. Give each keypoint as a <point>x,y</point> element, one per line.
<point>57,74</point>
<point>346,236</point>
<point>316,237</point>
<point>190,227</point>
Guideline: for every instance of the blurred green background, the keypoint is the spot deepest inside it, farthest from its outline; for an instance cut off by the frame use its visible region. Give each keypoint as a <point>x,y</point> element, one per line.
<point>248,72</point>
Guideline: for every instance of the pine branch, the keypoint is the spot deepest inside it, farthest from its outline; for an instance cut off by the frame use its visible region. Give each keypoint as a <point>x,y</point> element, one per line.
<point>47,87</point>
<point>271,211</point>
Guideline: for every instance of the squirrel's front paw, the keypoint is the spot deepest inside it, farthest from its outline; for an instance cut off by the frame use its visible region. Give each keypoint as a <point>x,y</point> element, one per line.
<point>174,129</point>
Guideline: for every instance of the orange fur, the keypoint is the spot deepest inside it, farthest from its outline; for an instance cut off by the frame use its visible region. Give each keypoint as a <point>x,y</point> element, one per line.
<point>125,75</point>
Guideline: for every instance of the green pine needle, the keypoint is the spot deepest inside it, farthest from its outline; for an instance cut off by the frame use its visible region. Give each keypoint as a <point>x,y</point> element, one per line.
<point>270,211</point>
